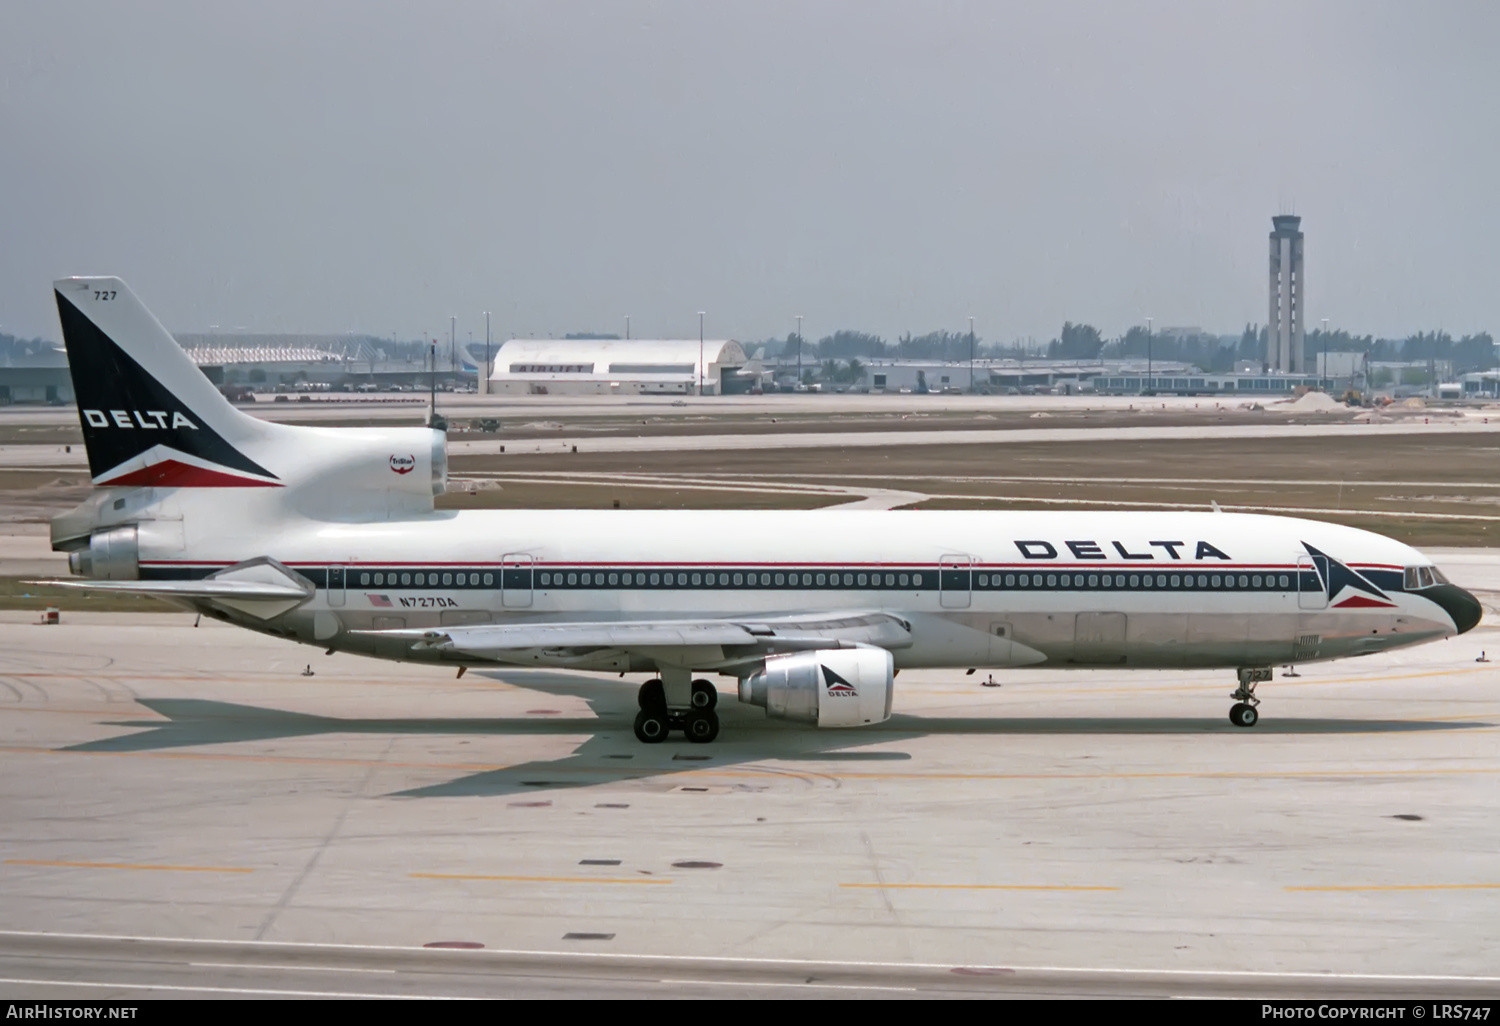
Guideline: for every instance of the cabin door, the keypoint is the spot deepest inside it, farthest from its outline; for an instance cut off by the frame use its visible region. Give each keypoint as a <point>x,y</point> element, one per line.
<point>335,586</point>
<point>515,580</point>
<point>1312,578</point>
<point>955,581</point>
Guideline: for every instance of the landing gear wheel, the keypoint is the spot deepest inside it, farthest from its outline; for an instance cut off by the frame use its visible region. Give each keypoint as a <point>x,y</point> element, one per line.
<point>705,695</point>
<point>651,726</point>
<point>652,696</point>
<point>701,726</point>
<point>1242,713</point>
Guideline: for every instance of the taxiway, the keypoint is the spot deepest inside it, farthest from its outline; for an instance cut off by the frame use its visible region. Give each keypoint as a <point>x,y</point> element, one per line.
<point>1100,832</point>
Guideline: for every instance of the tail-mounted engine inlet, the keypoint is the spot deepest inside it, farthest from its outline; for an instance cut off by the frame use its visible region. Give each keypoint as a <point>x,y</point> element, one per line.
<point>112,555</point>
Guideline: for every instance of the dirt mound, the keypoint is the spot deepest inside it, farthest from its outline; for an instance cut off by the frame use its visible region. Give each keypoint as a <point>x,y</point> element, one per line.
<point>1316,402</point>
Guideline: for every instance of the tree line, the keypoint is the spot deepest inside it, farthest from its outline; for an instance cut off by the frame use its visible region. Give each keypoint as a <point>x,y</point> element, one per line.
<point>1210,353</point>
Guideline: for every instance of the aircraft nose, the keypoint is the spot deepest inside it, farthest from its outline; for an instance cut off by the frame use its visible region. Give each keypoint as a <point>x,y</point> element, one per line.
<point>1457,603</point>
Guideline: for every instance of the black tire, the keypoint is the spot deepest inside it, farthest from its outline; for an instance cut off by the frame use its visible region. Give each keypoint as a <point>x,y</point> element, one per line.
<point>705,695</point>
<point>701,726</point>
<point>651,727</point>
<point>652,696</point>
<point>1242,714</point>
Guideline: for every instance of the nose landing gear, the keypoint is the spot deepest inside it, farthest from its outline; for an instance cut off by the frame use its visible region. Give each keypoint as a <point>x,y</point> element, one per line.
<point>1243,712</point>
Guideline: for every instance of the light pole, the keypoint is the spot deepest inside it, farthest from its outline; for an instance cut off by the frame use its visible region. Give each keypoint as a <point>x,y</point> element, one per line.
<point>971,354</point>
<point>1148,353</point>
<point>484,378</point>
<point>452,342</point>
<point>799,349</point>
<point>627,327</point>
<point>700,352</point>
<point>1323,367</point>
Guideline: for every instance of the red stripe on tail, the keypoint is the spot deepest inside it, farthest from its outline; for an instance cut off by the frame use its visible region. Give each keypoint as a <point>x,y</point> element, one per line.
<point>172,474</point>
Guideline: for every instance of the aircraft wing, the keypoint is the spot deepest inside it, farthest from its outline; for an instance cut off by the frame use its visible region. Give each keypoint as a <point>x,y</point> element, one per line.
<point>758,636</point>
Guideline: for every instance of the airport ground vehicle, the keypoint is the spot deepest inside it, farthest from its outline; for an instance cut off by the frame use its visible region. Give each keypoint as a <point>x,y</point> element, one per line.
<point>330,537</point>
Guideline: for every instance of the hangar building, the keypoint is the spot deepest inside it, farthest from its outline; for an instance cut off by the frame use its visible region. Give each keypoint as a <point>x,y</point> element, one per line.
<point>35,372</point>
<point>543,366</point>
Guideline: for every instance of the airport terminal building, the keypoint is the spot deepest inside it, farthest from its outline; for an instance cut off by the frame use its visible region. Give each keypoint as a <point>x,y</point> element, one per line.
<point>537,366</point>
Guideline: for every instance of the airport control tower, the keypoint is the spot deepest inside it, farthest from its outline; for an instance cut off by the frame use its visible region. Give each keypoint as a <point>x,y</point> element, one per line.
<point>1288,297</point>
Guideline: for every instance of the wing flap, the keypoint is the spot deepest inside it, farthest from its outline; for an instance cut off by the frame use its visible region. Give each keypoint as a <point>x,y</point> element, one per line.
<point>479,640</point>
<point>761,636</point>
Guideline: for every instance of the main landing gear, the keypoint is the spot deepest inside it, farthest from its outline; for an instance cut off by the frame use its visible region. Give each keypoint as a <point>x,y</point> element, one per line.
<point>696,719</point>
<point>1243,713</point>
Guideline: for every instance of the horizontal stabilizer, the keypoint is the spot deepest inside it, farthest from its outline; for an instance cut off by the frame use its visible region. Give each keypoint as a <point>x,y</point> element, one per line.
<point>208,588</point>
<point>259,587</point>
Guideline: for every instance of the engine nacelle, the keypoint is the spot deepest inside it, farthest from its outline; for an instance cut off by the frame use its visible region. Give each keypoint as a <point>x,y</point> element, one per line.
<point>113,555</point>
<point>831,687</point>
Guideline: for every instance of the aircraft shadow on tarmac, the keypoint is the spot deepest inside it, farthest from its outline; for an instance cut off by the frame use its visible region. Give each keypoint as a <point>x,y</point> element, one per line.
<point>611,752</point>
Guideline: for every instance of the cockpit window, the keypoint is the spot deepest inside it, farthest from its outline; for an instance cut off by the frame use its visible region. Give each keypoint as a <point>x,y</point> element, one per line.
<point>1417,577</point>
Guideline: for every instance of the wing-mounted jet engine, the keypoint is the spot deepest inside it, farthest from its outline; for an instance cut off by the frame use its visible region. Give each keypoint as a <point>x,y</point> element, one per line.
<point>825,688</point>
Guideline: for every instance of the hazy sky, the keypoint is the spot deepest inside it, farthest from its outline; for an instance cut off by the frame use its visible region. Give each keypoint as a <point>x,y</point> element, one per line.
<point>891,167</point>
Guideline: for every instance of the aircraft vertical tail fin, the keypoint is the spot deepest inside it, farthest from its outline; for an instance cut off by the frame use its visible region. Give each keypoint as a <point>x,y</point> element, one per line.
<point>150,417</point>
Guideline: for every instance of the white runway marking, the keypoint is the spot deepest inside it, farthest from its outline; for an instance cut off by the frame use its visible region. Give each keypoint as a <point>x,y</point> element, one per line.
<point>734,961</point>
<point>982,436</point>
<point>266,992</point>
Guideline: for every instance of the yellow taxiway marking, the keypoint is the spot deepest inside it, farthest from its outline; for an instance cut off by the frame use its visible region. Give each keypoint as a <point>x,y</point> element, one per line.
<point>127,865</point>
<point>1161,775</point>
<point>970,887</point>
<point>541,879</point>
<point>286,966</point>
<point>290,760</point>
<point>1405,887</point>
<point>1040,689</point>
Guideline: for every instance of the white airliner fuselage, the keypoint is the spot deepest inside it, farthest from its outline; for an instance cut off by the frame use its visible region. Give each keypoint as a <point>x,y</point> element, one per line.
<point>981,589</point>
<point>330,537</point>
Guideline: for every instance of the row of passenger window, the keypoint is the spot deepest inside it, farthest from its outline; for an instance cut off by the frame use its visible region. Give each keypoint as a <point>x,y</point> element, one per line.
<point>953,580</point>
<point>699,579</point>
<point>1242,582</point>
<point>408,579</point>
